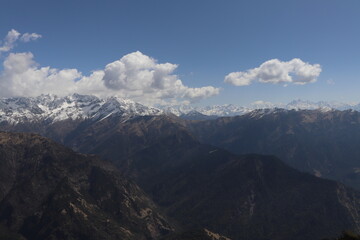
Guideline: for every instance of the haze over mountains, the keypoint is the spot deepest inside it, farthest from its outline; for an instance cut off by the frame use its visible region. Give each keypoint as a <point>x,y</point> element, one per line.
<point>174,172</point>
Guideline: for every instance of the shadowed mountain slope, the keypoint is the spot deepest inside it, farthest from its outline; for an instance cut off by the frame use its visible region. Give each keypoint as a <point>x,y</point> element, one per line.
<point>325,144</point>
<point>50,192</point>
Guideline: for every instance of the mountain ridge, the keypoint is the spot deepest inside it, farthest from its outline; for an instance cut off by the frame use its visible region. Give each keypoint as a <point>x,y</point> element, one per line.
<point>323,143</point>
<point>51,108</point>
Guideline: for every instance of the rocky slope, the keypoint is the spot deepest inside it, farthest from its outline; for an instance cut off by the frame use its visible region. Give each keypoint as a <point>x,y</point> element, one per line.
<point>50,192</point>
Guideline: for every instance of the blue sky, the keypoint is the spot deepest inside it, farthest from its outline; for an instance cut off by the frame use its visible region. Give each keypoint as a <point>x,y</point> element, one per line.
<point>207,39</point>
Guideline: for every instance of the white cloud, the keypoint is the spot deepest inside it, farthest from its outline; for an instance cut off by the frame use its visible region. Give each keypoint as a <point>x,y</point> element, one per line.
<point>9,41</point>
<point>135,76</point>
<point>23,77</point>
<point>138,76</point>
<point>27,37</point>
<point>275,71</point>
<point>13,36</point>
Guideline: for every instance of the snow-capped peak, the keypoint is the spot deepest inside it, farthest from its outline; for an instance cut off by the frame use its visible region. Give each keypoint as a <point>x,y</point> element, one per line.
<point>215,110</point>
<point>52,108</point>
<point>233,110</point>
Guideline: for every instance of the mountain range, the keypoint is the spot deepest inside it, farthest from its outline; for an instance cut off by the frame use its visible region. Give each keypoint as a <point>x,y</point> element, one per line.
<point>236,110</point>
<point>51,108</point>
<point>159,176</point>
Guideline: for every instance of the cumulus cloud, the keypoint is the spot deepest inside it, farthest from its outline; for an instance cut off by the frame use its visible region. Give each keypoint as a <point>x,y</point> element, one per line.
<point>275,71</point>
<point>135,76</point>
<point>13,36</point>
<point>23,77</point>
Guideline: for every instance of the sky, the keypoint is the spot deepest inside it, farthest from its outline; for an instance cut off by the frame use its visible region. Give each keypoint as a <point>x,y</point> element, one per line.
<point>201,52</point>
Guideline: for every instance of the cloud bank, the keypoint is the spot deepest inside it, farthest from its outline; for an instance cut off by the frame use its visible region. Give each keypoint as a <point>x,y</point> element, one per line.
<point>135,76</point>
<point>276,72</point>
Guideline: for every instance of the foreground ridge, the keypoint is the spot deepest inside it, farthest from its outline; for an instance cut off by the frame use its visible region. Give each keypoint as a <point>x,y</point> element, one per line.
<point>47,191</point>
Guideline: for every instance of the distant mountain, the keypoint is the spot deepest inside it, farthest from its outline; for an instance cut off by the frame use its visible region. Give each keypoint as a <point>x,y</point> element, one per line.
<point>215,110</point>
<point>50,108</point>
<point>50,192</point>
<point>195,115</point>
<point>234,110</point>
<point>320,142</point>
<point>323,105</point>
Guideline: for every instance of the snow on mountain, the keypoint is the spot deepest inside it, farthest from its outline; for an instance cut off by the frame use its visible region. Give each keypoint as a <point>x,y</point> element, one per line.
<point>215,110</point>
<point>224,110</point>
<point>51,108</point>
<point>234,110</point>
<point>264,105</point>
<point>259,113</point>
<point>323,105</point>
